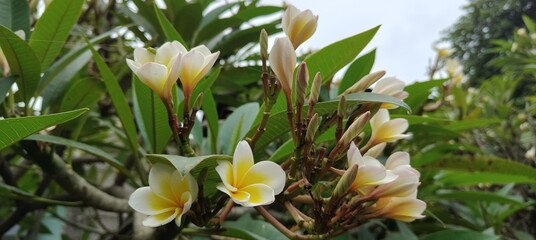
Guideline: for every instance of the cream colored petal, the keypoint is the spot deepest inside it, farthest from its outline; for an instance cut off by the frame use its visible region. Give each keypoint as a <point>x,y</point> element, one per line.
<point>404,209</point>
<point>242,161</point>
<point>173,74</point>
<point>209,63</point>
<point>160,181</point>
<point>282,61</point>
<point>290,13</point>
<point>134,66</point>
<point>260,194</point>
<point>238,197</point>
<point>405,184</point>
<point>202,49</point>
<point>376,150</point>
<point>389,86</point>
<point>397,159</point>
<point>165,53</point>
<point>145,201</point>
<point>392,128</point>
<point>225,170</point>
<point>187,200</point>
<point>378,119</point>
<point>191,65</point>
<point>401,95</point>
<point>306,32</point>
<point>180,48</point>
<point>161,219</point>
<point>265,172</point>
<point>153,75</point>
<point>354,156</point>
<point>143,56</point>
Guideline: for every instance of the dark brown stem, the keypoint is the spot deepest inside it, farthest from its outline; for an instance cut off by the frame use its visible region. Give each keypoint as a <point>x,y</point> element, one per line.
<point>181,138</point>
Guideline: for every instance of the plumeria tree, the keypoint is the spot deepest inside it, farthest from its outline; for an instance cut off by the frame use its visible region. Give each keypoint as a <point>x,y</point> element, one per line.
<point>155,140</point>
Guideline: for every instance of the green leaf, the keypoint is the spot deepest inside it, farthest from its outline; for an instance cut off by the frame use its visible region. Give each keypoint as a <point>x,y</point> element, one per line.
<point>457,178</point>
<point>419,92</point>
<point>475,196</point>
<point>78,96</point>
<point>256,229</point>
<point>211,114</point>
<point>332,58</point>
<point>15,15</point>
<point>84,147</point>
<point>489,164</point>
<point>22,61</point>
<point>53,28</point>
<point>118,99</point>
<point>151,117</point>
<point>357,70</point>
<point>188,19</point>
<point>459,235</point>
<point>464,125</point>
<point>194,165</point>
<point>238,122</point>
<point>234,41</point>
<point>58,75</point>
<point>277,124</point>
<point>5,86</point>
<point>168,29</point>
<point>531,25</point>
<point>15,129</point>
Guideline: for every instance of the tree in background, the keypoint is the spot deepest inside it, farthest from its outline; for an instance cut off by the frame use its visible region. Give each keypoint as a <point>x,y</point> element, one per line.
<point>472,35</point>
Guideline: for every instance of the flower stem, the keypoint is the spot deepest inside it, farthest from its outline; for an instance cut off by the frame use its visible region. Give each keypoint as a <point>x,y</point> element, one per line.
<point>181,138</point>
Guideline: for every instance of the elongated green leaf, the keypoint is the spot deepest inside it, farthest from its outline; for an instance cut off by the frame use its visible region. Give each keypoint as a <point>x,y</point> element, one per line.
<point>15,15</point>
<point>188,19</point>
<point>15,129</point>
<point>476,196</point>
<point>141,18</point>
<point>118,99</point>
<point>211,114</point>
<point>277,124</point>
<point>489,164</point>
<point>168,29</point>
<point>194,165</point>
<point>419,92</point>
<point>5,86</point>
<point>53,28</point>
<point>86,148</point>
<point>151,117</point>
<point>232,42</point>
<point>531,25</point>
<point>459,235</point>
<point>332,58</point>
<point>465,125</point>
<point>215,13</point>
<point>78,96</point>
<point>22,61</point>
<point>56,78</point>
<point>239,122</point>
<point>358,69</point>
<point>457,178</point>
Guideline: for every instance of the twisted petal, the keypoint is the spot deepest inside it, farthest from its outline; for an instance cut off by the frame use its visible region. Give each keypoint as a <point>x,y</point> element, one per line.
<point>183,185</point>
<point>225,170</point>
<point>354,156</point>
<point>402,209</point>
<point>392,130</point>
<point>282,61</point>
<point>166,53</point>
<point>173,75</point>
<point>143,56</point>
<point>145,201</point>
<point>242,162</point>
<point>290,13</point>
<point>379,118</point>
<point>389,86</point>
<point>265,172</point>
<point>397,159</point>
<point>238,196</point>
<point>187,200</point>
<point>162,218</point>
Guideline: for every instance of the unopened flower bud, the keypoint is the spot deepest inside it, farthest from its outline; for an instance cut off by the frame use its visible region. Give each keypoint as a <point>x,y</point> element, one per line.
<point>345,183</point>
<point>315,89</point>
<point>341,110</point>
<point>365,82</point>
<point>263,41</point>
<point>302,80</point>
<point>311,129</point>
<point>282,61</point>
<point>298,25</point>
<point>355,129</point>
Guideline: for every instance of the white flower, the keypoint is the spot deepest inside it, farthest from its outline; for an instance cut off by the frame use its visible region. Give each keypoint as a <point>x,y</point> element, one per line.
<point>158,71</point>
<point>168,197</point>
<point>393,87</point>
<point>370,172</point>
<point>194,66</point>
<point>404,209</point>
<point>298,25</point>
<point>250,184</point>
<point>283,61</point>
<point>386,130</point>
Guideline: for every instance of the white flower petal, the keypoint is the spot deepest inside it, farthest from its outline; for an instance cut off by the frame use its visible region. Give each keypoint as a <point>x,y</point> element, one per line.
<point>242,161</point>
<point>191,64</point>
<point>161,219</point>
<point>153,75</point>
<point>378,119</point>
<point>166,53</point>
<point>134,66</point>
<point>143,56</point>
<point>238,197</point>
<point>265,172</point>
<point>160,181</point>
<point>180,48</point>
<point>260,194</point>
<point>181,185</point>
<point>202,49</point>
<point>145,201</point>
<point>282,61</point>
<point>209,63</point>
<point>354,156</point>
<point>225,170</point>
<point>397,159</point>
<point>173,74</point>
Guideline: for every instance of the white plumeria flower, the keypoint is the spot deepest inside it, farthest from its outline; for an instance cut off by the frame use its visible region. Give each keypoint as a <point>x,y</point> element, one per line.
<point>283,61</point>
<point>370,172</point>
<point>393,87</point>
<point>405,209</point>
<point>158,71</point>
<point>195,64</point>
<point>405,184</point>
<point>386,130</point>
<point>247,183</point>
<point>168,197</point>
<point>298,25</point>
<point>3,60</point>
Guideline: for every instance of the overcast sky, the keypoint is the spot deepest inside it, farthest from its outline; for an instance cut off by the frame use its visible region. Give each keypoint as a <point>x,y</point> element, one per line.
<point>405,40</point>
